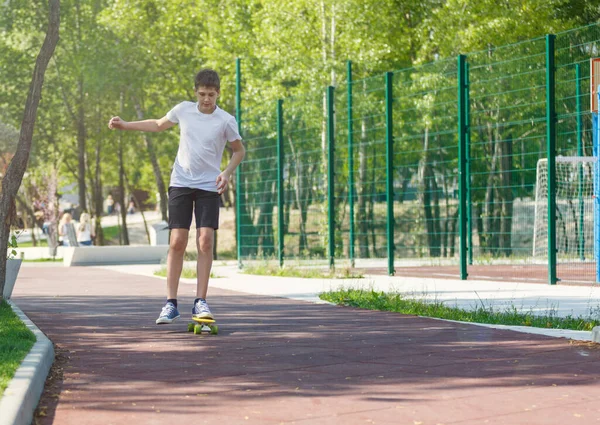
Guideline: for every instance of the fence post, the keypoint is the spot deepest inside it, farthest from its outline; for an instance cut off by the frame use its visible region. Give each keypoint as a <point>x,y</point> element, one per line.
<point>551,152</point>
<point>462,163</point>
<point>330,174</point>
<point>238,178</point>
<point>280,191</point>
<point>596,197</point>
<point>580,166</point>
<point>468,167</point>
<point>350,164</point>
<point>389,137</point>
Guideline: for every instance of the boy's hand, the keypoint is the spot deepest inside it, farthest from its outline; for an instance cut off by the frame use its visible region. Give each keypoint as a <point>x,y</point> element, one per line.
<point>117,122</point>
<point>222,181</point>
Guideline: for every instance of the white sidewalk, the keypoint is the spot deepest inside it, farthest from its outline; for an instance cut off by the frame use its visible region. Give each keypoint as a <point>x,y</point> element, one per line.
<point>577,301</point>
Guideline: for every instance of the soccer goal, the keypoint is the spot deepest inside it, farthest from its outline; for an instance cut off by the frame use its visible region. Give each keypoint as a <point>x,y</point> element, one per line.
<point>574,208</point>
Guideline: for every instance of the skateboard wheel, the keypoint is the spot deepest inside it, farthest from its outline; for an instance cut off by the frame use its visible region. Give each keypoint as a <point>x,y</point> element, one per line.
<point>214,330</point>
<point>191,327</point>
<point>198,329</point>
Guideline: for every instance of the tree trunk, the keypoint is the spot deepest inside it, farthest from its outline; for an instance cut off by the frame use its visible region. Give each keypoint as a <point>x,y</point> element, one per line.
<point>300,188</point>
<point>490,197</point>
<point>81,141</point>
<point>506,165</point>
<point>479,225</point>
<point>361,207</point>
<point>371,213</point>
<point>16,169</point>
<point>160,185</point>
<point>97,206</point>
<point>287,206</point>
<point>452,234</point>
<point>121,196</point>
<point>405,174</point>
<point>266,239</point>
<point>138,206</point>
<point>81,130</point>
<point>429,199</point>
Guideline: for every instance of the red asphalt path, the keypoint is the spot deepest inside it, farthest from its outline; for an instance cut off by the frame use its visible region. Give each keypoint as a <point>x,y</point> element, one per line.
<point>278,361</point>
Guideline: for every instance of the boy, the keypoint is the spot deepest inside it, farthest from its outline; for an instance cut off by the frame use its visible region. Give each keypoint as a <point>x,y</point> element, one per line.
<point>196,182</point>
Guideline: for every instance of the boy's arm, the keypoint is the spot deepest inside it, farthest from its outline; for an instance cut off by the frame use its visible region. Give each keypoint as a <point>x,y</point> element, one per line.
<point>153,126</point>
<point>238,155</point>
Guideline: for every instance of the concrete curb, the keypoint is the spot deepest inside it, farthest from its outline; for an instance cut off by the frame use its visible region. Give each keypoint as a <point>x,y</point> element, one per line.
<point>596,334</point>
<point>23,393</point>
<point>554,333</point>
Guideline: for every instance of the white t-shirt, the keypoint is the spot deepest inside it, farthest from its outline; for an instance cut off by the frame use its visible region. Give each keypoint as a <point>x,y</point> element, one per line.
<point>85,234</point>
<point>201,145</point>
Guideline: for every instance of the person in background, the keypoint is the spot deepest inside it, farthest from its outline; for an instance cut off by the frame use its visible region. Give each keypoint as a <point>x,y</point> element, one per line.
<point>110,204</point>
<point>85,231</point>
<point>65,220</point>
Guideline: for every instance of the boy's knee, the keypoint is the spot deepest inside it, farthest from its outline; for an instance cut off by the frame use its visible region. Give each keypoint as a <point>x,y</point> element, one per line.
<point>178,244</point>
<point>205,245</point>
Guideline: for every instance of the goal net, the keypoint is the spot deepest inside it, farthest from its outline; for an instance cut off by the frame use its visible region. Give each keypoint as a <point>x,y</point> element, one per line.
<point>574,208</point>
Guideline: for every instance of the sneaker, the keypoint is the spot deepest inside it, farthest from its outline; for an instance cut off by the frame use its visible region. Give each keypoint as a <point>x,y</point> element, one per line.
<point>201,310</point>
<point>168,314</point>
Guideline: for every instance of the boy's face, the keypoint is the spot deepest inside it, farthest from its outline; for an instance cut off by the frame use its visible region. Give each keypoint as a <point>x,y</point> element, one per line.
<point>207,99</point>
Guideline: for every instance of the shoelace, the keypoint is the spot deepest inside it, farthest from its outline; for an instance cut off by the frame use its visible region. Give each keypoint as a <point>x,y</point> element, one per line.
<point>202,307</point>
<point>167,310</point>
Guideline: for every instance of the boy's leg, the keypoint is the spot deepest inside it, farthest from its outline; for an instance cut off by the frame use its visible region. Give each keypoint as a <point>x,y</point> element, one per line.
<point>177,244</point>
<point>207,220</point>
<point>181,205</point>
<point>181,208</point>
<point>204,242</point>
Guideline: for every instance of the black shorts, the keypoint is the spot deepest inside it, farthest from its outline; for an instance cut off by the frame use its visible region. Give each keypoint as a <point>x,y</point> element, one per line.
<point>184,200</point>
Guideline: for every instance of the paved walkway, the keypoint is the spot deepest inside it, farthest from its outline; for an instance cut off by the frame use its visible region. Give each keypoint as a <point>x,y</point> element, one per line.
<point>279,360</point>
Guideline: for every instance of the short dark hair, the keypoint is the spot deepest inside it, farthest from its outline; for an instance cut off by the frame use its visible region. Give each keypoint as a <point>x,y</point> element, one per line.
<point>207,78</point>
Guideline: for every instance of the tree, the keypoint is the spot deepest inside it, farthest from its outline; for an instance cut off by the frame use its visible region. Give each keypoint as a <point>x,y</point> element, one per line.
<point>16,169</point>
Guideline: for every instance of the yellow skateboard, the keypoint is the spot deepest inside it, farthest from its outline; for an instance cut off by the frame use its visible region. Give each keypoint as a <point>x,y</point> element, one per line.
<point>203,325</point>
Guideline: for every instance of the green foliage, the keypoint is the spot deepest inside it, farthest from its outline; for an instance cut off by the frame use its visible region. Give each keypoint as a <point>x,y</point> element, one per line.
<point>15,342</point>
<point>116,55</point>
<point>461,26</point>
<point>12,243</point>
<point>374,300</point>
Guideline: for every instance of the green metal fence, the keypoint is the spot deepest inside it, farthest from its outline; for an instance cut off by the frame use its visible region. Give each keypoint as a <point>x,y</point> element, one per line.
<point>257,195</point>
<point>507,138</point>
<point>461,166</point>
<point>426,163</point>
<point>574,189</point>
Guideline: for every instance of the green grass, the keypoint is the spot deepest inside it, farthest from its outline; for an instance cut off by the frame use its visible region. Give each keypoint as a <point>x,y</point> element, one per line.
<point>373,300</point>
<point>44,260</point>
<point>29,244</point>
<point>15,342</point>
<point>187,273</point>
<point>271,269</point>
<point>111,234</point>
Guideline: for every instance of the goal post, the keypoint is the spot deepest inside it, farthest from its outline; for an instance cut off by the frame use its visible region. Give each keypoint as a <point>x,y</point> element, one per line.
<point>596,153</point>
<point>576,219</point>
<point>594,102</point>
<point>575,191</point>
